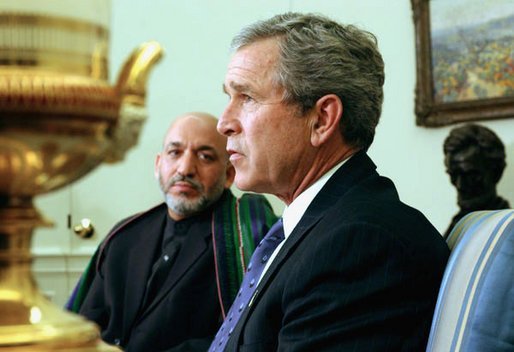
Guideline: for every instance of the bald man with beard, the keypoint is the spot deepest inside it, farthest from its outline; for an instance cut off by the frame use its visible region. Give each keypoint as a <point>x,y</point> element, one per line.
<point>163,280</point>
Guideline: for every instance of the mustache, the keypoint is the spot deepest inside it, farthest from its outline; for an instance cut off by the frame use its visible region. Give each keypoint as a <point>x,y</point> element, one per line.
<point>181,178</point>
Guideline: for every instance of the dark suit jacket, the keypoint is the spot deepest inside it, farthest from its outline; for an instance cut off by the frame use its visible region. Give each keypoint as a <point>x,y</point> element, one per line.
<point>360,272</point>
<point>186,307</point>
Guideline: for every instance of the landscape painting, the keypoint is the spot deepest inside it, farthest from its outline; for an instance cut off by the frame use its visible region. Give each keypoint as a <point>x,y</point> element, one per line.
<point>464,60</point>
<point>472,49</point>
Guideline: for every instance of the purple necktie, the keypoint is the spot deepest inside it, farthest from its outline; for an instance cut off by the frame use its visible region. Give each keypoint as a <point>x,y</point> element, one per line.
<point>257,263</point>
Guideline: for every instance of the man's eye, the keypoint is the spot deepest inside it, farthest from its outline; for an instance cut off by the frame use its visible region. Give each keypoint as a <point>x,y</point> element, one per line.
<point>247,98</point>
<point>206,157</point>
<point>173,152</point>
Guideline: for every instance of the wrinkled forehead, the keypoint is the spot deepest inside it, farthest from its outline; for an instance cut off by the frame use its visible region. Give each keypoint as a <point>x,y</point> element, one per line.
<point>254,62</point>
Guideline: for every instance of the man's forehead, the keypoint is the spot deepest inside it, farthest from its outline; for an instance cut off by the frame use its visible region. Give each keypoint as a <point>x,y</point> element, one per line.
<point>256,59</point>
<point>198,144</point>
<point>196,140</point>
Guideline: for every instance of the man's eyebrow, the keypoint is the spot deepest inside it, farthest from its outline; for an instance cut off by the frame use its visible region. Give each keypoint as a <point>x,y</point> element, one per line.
<point>201,148</point>
<point>237,87</point>
<point>206,148</point>
<point>173,144</point>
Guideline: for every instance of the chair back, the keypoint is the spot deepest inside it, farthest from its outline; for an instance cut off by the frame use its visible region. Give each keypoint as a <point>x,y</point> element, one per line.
<point>475,307</point>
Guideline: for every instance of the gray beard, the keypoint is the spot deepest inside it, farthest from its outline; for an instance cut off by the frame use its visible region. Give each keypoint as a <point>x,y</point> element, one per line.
<point>185,207</point>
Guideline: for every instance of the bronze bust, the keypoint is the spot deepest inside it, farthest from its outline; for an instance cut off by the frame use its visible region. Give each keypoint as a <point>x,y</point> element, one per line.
<point>475,160</point>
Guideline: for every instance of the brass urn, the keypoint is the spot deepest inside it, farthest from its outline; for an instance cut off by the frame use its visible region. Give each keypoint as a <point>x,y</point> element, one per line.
<point>59,119</point>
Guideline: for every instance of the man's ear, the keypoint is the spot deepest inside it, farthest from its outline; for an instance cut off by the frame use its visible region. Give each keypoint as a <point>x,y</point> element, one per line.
<point>230,174</point>
<point>156,166</point>
<point>325,119</point>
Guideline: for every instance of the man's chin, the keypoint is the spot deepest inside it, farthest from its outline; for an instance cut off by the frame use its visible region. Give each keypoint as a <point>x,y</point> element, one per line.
<point>184,206</point>
<point>186,196</point>
<point>243,183</point>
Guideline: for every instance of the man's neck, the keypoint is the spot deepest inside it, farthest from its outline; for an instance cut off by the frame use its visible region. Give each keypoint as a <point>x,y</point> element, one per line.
<point>317,170</point>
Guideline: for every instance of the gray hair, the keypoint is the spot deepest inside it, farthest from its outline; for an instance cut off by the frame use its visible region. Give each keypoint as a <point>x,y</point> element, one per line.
<point>319,56</point>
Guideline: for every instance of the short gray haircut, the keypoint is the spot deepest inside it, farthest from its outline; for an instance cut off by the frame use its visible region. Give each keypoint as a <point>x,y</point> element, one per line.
<point>319,56</point>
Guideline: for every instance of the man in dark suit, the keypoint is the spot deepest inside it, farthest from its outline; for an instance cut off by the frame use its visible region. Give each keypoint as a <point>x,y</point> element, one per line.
<point>358,269</point>
<point>162,280</point>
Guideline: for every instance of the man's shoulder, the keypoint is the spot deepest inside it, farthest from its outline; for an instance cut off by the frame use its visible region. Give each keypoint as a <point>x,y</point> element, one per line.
<point>137,218</point>
<point>123,232</point>
<point>132,224</point>
<point>372,200</point>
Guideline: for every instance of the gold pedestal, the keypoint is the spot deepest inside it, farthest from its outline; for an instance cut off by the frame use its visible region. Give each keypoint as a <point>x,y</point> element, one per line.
<point>28,321</point>
<point>57,123</point>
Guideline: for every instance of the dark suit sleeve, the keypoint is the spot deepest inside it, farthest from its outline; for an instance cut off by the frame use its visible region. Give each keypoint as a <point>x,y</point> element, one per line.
<point>94,306</point>
<point>347,288</point>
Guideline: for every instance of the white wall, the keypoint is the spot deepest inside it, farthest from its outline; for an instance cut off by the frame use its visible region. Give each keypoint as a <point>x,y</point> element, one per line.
<point>196,36</point>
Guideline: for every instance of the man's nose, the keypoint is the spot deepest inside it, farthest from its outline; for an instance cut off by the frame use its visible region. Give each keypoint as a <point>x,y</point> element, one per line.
<point>187,165</point>
<point>227,124</point>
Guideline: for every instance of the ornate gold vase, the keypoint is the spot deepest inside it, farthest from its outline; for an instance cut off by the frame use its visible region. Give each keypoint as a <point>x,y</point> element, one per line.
<point>59,119</point>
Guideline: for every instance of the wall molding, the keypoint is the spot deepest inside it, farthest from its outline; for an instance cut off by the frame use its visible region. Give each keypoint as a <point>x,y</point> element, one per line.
<point>55,261</point>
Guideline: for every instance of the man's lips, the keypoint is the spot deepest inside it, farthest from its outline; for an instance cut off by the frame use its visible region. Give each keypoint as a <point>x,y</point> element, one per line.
<point>183,186</point>
<point>234,155</point>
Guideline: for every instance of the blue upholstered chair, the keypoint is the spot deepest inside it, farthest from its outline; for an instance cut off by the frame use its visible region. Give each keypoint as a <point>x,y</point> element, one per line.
<point>475,308</point>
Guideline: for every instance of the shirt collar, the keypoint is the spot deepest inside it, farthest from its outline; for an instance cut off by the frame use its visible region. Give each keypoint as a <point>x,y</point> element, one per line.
<point>294,212</point>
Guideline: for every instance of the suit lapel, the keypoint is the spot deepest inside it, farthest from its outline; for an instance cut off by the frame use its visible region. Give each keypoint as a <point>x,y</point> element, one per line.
<point>195,244</point>
<point>140,261</point>
<point>346,177</point>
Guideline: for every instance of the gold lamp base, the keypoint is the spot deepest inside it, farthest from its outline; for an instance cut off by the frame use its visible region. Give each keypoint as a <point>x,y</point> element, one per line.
<point>29,322</point>
<point>55,331</point>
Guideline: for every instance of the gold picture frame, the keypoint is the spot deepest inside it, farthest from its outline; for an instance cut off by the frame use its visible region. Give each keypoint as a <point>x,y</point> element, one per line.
<point>465,72</point>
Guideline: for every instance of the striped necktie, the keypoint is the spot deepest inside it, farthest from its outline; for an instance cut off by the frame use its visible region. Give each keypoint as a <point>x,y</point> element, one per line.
<point>257,263</point>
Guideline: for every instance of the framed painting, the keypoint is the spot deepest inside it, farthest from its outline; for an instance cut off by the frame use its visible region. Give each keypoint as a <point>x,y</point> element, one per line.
<point>464,60</point>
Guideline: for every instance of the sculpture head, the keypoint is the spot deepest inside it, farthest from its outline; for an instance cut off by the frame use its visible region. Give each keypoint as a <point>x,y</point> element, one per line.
<point>475,160</point>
